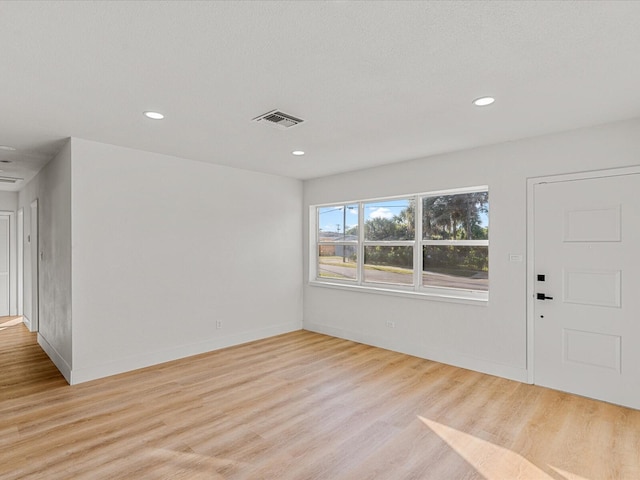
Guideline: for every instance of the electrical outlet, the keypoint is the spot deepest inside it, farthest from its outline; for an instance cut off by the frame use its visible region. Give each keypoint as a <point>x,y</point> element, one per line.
<point>391,324</point>
<point>218,323</point>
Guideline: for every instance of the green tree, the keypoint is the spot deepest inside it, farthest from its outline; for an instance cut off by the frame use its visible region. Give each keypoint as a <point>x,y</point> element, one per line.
<point>455,217</point>
<point>380,229</point>
<point>406,222</point>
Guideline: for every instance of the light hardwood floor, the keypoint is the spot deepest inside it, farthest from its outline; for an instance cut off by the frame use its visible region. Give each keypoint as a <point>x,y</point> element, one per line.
<point>300,406</point>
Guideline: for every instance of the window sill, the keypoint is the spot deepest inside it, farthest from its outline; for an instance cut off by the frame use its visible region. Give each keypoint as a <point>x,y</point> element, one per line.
<point>451,298</point>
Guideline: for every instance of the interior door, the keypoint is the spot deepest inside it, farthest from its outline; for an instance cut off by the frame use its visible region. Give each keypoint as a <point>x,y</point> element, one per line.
<point>587,289</point>
<point>20,262</point>
<point>4,265</point>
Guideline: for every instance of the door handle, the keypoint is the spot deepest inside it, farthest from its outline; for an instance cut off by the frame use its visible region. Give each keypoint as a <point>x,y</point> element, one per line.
<point>543,296</point>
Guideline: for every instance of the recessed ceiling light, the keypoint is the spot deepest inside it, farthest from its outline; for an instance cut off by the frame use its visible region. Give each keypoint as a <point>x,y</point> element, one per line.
<point>154,115</point>
<point>483,101</point>
<point>7,148</point>
<point>298,152</point>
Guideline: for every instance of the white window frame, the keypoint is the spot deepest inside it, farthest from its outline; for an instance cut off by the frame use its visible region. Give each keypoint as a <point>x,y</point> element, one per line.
<point>316,244</point>
<point>418,243</point>
<point>383,243</point>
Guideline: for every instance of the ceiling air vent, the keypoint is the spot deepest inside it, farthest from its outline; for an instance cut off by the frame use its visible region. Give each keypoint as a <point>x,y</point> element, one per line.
<point>9,180</point>
<point>278,119</point>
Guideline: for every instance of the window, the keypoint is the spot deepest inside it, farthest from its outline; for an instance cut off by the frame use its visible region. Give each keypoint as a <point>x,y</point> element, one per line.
<point>429,244</point>
<point>455,241</point>
<point>389,239</point>
<point>337,246</point>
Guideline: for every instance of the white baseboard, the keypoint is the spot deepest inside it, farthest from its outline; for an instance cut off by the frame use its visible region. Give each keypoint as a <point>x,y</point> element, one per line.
<point>55,357</point>
<point>429,353</point>
<point>148,359</point>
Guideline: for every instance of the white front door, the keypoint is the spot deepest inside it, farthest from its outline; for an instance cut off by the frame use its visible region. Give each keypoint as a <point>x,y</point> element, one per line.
<point>586,334</point>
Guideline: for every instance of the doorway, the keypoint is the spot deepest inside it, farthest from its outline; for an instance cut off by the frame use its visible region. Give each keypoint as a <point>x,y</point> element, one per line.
<point>20,258</point>
<point>584,272</point>
<point>5,270</point>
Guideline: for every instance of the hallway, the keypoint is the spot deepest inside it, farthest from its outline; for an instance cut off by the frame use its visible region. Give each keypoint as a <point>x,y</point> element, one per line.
<point>26,369</point>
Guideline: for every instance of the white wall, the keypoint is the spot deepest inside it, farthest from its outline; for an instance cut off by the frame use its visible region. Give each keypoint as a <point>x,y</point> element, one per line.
<point>488,338</point>
<point>163,248</point>
<point>8,201</point>
<point>52,188</point>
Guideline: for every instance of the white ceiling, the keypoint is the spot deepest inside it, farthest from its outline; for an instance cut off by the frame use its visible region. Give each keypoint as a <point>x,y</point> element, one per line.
<point>376,82</point>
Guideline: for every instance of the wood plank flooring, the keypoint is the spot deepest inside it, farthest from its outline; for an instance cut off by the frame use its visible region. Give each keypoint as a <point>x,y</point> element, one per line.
<point>300,406</point>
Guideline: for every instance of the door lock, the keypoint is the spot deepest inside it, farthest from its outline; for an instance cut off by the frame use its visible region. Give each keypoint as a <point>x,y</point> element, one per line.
<point>543,296</point>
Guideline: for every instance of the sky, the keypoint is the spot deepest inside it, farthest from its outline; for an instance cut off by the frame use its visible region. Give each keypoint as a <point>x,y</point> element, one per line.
<point>331,218</point>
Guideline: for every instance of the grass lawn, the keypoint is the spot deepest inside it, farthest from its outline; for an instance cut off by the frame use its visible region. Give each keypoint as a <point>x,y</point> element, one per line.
<point>455,272</point>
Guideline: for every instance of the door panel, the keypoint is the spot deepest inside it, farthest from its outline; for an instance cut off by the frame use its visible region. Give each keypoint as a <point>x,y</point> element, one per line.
<point>586,244</point>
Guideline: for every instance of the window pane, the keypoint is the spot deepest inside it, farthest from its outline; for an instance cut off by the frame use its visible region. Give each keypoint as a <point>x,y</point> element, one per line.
<point>338,223</point>
<point>456,267</point>
<point>388,265</point>
<point>389,220</point>
<point>456,217</point>
<point>337,261</point>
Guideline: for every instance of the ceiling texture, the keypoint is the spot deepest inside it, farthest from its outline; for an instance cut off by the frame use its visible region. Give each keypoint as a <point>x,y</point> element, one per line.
<point>375,82</point>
